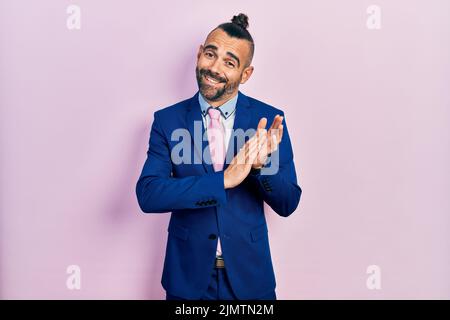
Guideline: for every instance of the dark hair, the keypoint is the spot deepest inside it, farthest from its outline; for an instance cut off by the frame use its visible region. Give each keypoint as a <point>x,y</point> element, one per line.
<point>237,28</point>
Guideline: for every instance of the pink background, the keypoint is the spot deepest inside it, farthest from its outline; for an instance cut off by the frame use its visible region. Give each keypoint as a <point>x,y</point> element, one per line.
<point>367,110</point>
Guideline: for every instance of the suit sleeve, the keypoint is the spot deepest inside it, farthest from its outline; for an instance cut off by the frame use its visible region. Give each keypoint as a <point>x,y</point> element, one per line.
<point>157,191</point>
<point>279,190</point>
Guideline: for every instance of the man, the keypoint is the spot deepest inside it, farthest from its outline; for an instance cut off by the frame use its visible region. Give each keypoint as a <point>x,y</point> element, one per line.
<point>217,246</point>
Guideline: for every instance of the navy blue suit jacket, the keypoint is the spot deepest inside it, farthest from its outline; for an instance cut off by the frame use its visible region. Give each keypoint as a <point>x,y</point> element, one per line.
<point>202,209</point>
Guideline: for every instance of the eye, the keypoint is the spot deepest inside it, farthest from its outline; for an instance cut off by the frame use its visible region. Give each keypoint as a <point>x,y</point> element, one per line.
<point>209,54</point>
<point>230,64</point>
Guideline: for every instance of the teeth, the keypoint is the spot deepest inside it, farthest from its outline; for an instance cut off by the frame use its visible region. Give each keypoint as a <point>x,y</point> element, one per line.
<point>211,80</point>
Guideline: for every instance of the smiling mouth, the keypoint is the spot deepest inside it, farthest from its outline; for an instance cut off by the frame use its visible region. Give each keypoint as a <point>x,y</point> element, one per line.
<point>211,80</point>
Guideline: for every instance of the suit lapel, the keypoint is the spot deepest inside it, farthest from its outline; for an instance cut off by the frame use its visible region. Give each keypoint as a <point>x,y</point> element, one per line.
<point>241,121</point>
<point>197,132</point>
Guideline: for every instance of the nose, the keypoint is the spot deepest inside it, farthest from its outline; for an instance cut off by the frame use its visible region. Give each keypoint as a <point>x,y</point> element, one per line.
<point>215,69</point>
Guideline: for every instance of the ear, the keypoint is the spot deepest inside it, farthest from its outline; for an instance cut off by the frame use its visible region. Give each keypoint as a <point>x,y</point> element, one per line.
<point>246,74</point>
<point>200,50</point>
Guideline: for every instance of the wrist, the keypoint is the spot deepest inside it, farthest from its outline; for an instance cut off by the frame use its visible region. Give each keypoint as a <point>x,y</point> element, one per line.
<point>226,182</point>
<point>257,168</point>
<point>256,171</point>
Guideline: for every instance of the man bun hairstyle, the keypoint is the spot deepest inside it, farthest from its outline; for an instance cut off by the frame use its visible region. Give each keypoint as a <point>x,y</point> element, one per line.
<point>237,28</point>
<point>241,20</point>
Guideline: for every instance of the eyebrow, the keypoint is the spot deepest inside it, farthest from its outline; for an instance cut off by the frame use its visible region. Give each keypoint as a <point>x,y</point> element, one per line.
<point>231,54</point>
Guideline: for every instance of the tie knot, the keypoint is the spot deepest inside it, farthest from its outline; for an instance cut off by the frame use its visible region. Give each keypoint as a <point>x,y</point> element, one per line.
<point>214,113</point>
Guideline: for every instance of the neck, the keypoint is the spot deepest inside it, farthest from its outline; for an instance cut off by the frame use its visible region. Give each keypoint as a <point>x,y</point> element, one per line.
<point>218,103</point>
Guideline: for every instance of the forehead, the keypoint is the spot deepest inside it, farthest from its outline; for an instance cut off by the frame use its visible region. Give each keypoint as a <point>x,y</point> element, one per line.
<point>219,38</point>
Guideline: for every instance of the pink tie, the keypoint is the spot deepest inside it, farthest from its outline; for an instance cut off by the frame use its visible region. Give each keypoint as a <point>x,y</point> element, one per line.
<point>216,139</point>
<point>217,149</point>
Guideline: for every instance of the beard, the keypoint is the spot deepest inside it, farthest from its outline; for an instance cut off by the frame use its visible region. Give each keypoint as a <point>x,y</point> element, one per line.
<point>218,92</point>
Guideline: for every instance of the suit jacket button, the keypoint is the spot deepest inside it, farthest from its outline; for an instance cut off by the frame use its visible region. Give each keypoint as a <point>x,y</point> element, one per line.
<point>212,236</point>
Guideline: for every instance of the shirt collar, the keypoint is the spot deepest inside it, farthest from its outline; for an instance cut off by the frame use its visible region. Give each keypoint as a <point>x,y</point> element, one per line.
<point>225,109</point>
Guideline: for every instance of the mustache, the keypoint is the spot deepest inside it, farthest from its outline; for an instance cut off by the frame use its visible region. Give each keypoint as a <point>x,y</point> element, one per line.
<point>208,73</point>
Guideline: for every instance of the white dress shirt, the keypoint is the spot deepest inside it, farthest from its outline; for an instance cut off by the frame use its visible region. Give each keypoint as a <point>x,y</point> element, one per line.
<point>228,112</point>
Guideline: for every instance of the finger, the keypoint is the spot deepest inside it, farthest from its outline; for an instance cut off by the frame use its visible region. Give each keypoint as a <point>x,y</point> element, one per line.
<point>253,149</point>
<point>262,153</point>
<point>245,149</point>
<point>280,133</point>
<point>277,134</point>
<point>264,146</point>
<point>249,142</point>
<point>276,124</point>
<point>253,139</point>
<point>262,123</point>
<point>273,122</point>
<point>262,138</point>
<point>250,156</point>
<point>273,143</point>
<point>253,146</point>
<point>249,147</point>
<point>261,132</point>
<point>276,121</point>
<point>280,119</point>
<point>260,142</point>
